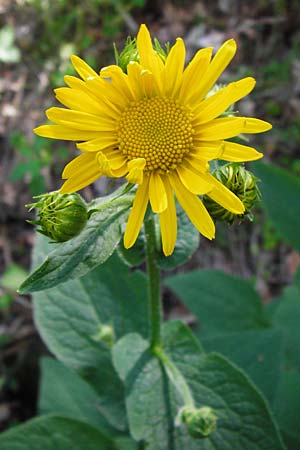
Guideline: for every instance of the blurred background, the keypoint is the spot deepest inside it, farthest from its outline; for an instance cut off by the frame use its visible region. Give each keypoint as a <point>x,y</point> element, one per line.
<point>37,38</point>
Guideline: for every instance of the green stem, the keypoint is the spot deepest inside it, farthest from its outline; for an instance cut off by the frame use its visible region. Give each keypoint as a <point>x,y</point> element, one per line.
<point>176,378</point>
<point>155,313</point>
<point>154,295</point>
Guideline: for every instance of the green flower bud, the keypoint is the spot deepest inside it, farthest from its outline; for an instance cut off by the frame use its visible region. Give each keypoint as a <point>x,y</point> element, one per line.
<point>130,53</point>
<point>243,184</point>
<point>162,53</point>
<point>200,422</point>
<point>106,335</point>
<point>60,216</point>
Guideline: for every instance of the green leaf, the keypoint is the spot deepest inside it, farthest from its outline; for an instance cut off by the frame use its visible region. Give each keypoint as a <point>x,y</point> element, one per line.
<point>125,443</point>
<point>258,353</point>
<point>93,246</point>
<point>186,244</point>
<point>221,302</point>
<point>54,433</point>
<point>286,318</point>
<point>64,393</point>
<point>70,319</point>
<point>244,421</point>
<point>287,406</point>
<point>280,196</point>
<point>135,255</point>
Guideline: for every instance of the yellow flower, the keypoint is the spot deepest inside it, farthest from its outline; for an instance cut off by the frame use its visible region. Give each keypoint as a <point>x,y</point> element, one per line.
<point>157,127</point>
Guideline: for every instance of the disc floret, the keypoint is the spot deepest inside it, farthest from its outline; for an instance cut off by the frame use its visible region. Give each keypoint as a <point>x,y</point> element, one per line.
<point>157,129</point>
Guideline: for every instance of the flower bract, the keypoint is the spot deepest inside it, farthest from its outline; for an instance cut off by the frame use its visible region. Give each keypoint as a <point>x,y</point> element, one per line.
<point>157,126</point>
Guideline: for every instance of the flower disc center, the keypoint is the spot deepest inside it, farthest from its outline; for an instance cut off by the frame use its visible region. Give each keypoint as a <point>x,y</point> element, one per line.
<point>157,129</point>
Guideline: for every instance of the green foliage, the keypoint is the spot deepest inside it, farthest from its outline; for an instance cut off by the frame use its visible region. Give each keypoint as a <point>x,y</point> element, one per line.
<point>64,392</point>
<point>84,306</point>
<point>53,433</point>
<point>257,352</point>
<point>287,407</point>
<point>281,193</point>
<point>70,318</point>
<point>153,402</point>
<point>286,317</point>
<point>231,302</point>
<point>93,316</point>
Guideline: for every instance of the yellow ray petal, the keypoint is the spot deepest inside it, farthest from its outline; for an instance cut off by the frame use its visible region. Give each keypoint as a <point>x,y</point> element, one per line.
<point>220,129</point>
<point>239,153</point>
<point>174,68</point>
<point>149,84</point>
<point>252,125</point>
<point>82,68</point>
<point>157,193</point>
<point>208,150</point>
<point>194,208</point>
<point>224,197</point>
<point>149,59</point>
<point>99,89</point>
<point>112,164</point>
<point>137,213</point>
<point>197,162</point>
<point>74,82</point>
<point>194,73</point>
<point>141,81</point>
<point>119,80</point>
<point>75,184</point>
<point>66,133</point>
<point>80,172</point>
<point>78,100</point>
<point>121,171</point>
<point>116,159</point>
<point>79,165</point>
<point>134,71</point>
<point>194,181</point>
<point>136,170</point>
<point>217,103</point>
<point>168,221</point>
<point>107,140</point>
<point>219,63</point>
<point>80,120</point>
<point>108,93</point>
<point>104,165</point>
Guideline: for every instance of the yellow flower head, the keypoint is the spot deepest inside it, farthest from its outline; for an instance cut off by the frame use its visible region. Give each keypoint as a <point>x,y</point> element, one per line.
<point>156,126</point>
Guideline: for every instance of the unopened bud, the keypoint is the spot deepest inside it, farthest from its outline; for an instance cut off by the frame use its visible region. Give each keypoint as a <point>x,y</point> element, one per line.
<point>200,422</point>
<point>243,184</point>
<point>60,216</point>
<point>129,54</point>
<point>106,335</point>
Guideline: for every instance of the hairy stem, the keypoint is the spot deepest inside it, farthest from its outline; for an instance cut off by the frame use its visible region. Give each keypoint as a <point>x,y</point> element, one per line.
<point>154,294</point>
